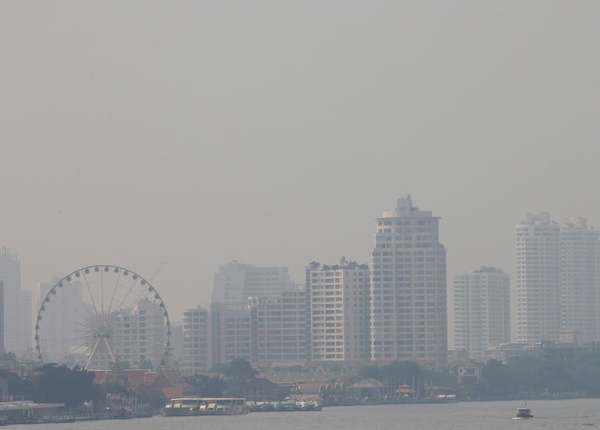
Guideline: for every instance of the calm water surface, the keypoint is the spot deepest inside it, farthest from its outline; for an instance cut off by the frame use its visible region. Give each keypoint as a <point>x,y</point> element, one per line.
<point>550,415</point>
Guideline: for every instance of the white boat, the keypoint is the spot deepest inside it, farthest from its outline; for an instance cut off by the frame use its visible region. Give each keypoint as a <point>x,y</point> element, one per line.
<point>523,414</point>
<point>197,406</point>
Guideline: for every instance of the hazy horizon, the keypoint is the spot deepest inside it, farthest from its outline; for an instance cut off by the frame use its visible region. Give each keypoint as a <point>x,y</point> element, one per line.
<point>173,137</point>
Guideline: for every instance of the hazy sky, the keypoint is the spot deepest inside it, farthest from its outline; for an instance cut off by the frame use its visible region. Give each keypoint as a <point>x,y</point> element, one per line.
<point>182,134</point>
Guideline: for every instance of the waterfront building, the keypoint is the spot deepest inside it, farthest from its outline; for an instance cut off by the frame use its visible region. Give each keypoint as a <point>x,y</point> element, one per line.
<point>280,327</point>
<point>139,337</point>
<point>235,282</point>
<point>339,311</point>
<point>177,342</point>
<point>196,356</point>
<point>231,333</point>
<point>481,311</point>
<point>18,310</point>
<point>408,288</point>
<point>536,290</point>
<point>579,281</point>
<point>236,287</point>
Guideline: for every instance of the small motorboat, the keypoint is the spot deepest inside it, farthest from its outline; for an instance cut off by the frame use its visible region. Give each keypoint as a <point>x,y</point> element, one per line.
<point>523,414</point>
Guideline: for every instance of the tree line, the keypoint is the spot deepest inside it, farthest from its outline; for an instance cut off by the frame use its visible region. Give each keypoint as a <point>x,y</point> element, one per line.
<point>551,373</point>
<point>554,374</point>
<point>54,383</point>
<point>235,379</point>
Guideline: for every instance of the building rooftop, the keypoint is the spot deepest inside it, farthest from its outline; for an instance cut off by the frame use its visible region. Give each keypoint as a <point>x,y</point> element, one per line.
<point>343,264</point>
<point>405,208</point>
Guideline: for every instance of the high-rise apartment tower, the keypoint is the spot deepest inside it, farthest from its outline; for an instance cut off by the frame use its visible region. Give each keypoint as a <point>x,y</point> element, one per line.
<point>481,311</point>
<point>580,280</point>
<point>536,290</point>
<point>408,288</point>
<point>339,311</point>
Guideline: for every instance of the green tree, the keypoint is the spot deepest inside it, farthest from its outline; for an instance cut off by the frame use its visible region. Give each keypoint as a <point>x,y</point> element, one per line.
<point>496,380</point>
<point>150,395</point>
<point>239,369</point>
<point>208,386</point>
<point>586,373</point>
<point>18,387</point>
<point>240,379</point>
<point>526,371</point>
<point>554,377</point>
<point>60,384</point>
<point>370,372</point>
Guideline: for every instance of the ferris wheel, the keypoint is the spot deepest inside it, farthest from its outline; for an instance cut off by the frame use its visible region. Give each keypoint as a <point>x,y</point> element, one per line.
<point>101,315</point>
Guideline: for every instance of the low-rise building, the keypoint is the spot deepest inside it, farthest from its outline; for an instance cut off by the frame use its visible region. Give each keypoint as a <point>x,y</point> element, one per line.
<point>280,326</point>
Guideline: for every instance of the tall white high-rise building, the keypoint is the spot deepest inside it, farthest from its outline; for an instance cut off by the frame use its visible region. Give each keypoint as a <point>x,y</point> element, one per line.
<point>408,288</point>
<point>18,308</point>
<point>536,290</point>
<point>580,280</point>
<point>196,342</point>
<point>234,283</point>
<point>481,311</point>
<point>339,311</point>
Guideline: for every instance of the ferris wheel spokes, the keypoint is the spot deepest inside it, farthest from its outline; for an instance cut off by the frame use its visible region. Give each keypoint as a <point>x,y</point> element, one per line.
<point>104,329</point>
<point>93,301</point>
<point>112,296</point>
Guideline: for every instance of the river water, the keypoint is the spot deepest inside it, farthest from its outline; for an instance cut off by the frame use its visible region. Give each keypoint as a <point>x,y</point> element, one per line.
<point>549,415</point>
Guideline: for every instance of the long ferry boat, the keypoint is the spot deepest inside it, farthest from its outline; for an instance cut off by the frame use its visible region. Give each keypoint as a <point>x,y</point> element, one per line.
<point>198,406</point>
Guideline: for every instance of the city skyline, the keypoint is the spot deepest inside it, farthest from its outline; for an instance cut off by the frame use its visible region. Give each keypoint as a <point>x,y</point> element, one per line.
<point>398,307</point>
<point>297,277</point>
